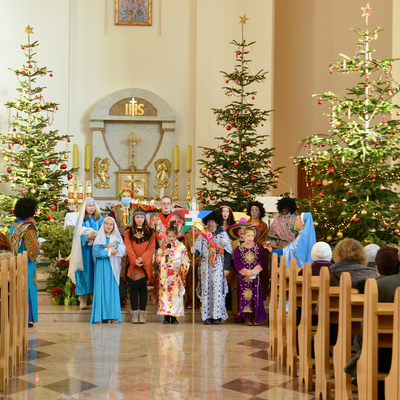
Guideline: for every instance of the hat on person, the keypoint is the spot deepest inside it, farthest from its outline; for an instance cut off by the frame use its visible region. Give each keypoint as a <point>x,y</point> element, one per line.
<point>321,251</point>
<point>233,230</point>
<point>371,251</point>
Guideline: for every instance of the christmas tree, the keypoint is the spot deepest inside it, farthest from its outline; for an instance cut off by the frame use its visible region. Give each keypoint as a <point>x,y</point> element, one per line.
<point>351,174</point>
<point>239,168</point>
<point>34,161</point>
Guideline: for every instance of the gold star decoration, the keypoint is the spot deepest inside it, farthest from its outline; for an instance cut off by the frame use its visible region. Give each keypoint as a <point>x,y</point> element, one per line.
<point>243,19</point>
<point>28,30</point>
<point>366,11</point>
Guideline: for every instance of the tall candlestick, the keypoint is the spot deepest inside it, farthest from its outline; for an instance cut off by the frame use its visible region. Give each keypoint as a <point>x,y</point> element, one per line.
<point>75,159</point>
<point>87,157</point>
<point>189,159</point>
<point>176,158</point>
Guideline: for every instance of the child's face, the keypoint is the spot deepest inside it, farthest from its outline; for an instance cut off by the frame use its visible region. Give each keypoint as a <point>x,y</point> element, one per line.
<point>139,219</point>
<point>108,226</point>
<point>171,237</point>
<point>90,208</point>
<point>249,237</point>
<point>241,233</point>
<point>225,213</point>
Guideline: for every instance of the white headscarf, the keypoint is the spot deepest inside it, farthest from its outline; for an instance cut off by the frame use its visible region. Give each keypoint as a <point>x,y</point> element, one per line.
<point>75,258</point>
<point>115,236</point>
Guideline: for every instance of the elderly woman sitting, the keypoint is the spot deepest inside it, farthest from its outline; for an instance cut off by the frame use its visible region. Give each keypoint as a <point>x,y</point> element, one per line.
<point>349,256</point>
<point>5,247</point>
<point>300,248</point>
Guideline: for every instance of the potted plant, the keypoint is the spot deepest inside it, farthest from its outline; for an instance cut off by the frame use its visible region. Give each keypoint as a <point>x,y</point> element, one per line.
<point>56,294</point>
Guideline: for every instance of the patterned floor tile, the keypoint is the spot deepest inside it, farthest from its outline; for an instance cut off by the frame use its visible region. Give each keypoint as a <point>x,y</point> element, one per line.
<point>278,393</point>
<point>246,386</point>
<point>34,355</point>
<point>263,354</point>
<point>34,343</point>
<point>26,368</point>
<point>277,368</point>
<point>259,344</point>
<point>16,385</point>
<point>70,386</point>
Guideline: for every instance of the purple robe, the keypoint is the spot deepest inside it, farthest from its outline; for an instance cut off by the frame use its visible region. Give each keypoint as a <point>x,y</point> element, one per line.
<point>250,296</point>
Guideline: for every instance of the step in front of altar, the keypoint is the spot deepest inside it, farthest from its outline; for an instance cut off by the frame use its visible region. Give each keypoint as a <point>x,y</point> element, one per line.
<point>52,313</point>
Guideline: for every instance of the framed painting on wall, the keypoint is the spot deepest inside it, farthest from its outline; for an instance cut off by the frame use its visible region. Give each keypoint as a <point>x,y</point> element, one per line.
<point>133,12</point>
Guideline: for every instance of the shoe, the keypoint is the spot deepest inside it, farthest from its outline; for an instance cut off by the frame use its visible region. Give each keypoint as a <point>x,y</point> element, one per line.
<point>353,380</point>
<point>30,325</point>
<point>142,317</point>
<point>167,320</point>
<point>253,319</point>
<point>135,316</point>
<point>83,301</point>
<point>217,321</point>
<point>114,321</point>
<point>247,320</point>
<point>208,321</point>
<point>174,320</point>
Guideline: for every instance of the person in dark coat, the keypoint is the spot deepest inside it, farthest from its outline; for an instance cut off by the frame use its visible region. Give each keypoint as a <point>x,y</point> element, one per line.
<point>349,256</point>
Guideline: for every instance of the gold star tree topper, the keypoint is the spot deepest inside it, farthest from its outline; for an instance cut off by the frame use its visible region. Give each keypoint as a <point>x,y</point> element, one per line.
<point>243,19</point>
<point>28,30</point>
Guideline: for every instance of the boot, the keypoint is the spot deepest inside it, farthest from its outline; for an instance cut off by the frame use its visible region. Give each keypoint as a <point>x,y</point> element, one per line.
<point>253,319</point>
<point>135,316</point>
<point>247,320</point>
<point>142,317</point>
<point>83,301</point>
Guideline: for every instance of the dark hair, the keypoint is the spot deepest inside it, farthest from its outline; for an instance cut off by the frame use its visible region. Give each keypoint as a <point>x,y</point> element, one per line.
<point>286,202</point>
<point>386,260</point>
<point>5,243</point>
<point>214,216</point>
<point>147,231</point>
<point>25,208</point>
<point>259,206</point>
<point>172,228</point>
<point>231,217</point>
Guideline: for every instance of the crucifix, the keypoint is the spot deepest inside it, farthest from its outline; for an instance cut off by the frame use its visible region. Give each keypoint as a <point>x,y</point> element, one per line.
<point>132,140</point>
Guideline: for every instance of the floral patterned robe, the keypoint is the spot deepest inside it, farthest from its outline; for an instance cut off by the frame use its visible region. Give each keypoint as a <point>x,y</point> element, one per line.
<point>171,279</point>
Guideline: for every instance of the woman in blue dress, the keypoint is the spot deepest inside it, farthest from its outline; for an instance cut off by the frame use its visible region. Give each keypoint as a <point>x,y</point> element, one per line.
<point>24,238</point>
<point>108,249</point>
<point>81,266</point>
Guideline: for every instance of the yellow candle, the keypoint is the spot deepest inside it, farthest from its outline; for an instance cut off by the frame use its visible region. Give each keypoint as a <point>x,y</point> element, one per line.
<point>189,158</point>
<point>75,159</point>
<point>176,158</point>
<point>87,157</point>
<point>71,194</point>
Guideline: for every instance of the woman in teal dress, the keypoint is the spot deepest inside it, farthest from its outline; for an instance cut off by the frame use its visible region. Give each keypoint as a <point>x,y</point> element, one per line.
<point>108,249</point>
<point>24,238</point>
<point>81,266</point>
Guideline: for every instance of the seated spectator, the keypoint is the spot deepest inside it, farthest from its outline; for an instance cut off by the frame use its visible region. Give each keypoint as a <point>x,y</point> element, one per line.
<point>370,251</point>
<point>386,261</point>
<point>387,285</point>
<point>321,254</point>
<point>349,256</point>
<point>6,247</point>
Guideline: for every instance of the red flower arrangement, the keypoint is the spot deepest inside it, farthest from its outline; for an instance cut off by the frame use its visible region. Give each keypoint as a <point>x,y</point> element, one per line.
<point>149,208</point>
<point>73,286</point>
<point>56,291</point>
<point>63,261</point>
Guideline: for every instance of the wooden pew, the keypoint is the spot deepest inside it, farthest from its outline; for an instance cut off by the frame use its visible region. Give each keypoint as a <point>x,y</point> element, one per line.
<point>350,317</point>
<point>281,317</point>
<point>12,315</point>
<point>392,381</point>
<point>273,307</point>
<point>4,326</point>
<point>20,314</point>
<point>25,305</point>
<point>377,333</point>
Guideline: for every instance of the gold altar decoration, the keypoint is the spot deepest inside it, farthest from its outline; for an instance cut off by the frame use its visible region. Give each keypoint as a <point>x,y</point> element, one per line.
<point>188,194</point>
<point>75,192</point>
<point>175,196</point>
<point>132,140</point>
<point>163,168</point>
<point>134,181</point>
<point>101,170</point>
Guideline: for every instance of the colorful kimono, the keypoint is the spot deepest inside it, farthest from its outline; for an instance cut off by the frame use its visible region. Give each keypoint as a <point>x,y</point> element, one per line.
<point>106,304</point>
<point>85,278</point>
<point>283,227</point>
<point>212,286</point>
<point>250,297</point>
<point>160,223</point>
<point>24,238</point>
<point>172,277</point>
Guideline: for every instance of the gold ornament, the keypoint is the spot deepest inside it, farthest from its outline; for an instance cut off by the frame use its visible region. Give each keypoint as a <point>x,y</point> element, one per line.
<point>51,220</point>
<point>339,234</point>
<point>239,175</point>
<point>338,123</point>
<point>3,141</point>
<point>41,173</point>
<point>277,174</point>
<point>5,158</point>
<point>231,193</point>
<point>44,184</point>
<point>204,169</point>
<point>66,157</point>
<point>33,191</point>
<point>346,184</point>
<point>315,223</point>
<point>51,151</point>
<point>395,231</point>
<point>12,185</point>
<point>329,238</point>
<point>343,213</point>
<point>55,197</point>
<point>398,224</point>
<point>367,241</point>
<point>235,171</point>
<point>24,145</point>
<point>30,165</point>
<point>363,212</point>
<point>258,170</point>
<point>203,183</point>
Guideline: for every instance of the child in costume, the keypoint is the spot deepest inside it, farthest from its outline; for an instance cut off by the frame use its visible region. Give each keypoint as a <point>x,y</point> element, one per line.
<point>173,259</point>
<point>249,262</point>
<point>108,249</point>
<point>24,238</point>
<point>81,265</point>
<point>140,242</point>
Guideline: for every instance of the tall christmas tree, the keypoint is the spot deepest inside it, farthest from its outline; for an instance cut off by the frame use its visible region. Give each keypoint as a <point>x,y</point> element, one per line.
<point>34,160</point>
<point>239,168</point>
<point>351,172</point>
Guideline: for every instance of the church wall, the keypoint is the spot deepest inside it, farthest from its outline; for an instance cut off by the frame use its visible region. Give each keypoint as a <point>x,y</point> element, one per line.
<point>309,35</point>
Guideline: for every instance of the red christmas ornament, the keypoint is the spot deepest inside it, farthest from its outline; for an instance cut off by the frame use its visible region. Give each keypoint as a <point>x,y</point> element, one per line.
<point>322,144</point>
<point>202,200</point>
<point>365,84</point>
<point>66,201</point>
<point>198,193</point>
<point>389,93</point>
<point>390,112</point>
<point>394,158</point>
<point>30,66</point>
<point>330,71</point>
<point>253,98</point>
<point>23,71</point>
<point>23,191</point>
<point>373,176</point>
<point>232,123</point>
<point>12,158</point>
<point>9,178</point>
<point>49,216</point>
<point>320,101</point>
<point>47,162</point>
<point>267,187</point>
<point>319,183</point>
<point>253,178</point>
<point>8,170</point>
<point>321,194</point>
<point>394,131</point>
<point>331,170</point>
<point>51,75</point>
<point>69,176</point>
<point>228,127</point>
<point>245,193</point>
<point>63,166</point>
<point>356,219</point>
<point>226,150</point>
<point>212,198</point>
<point>330,206</point>
<point>275,186</point>
<point>350,191</point>
<point>235,163</point>
<point>226,141</point>
<point>52,208</point>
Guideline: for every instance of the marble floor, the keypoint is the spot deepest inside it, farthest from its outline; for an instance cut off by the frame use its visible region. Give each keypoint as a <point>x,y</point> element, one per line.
<point>152,361</point>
